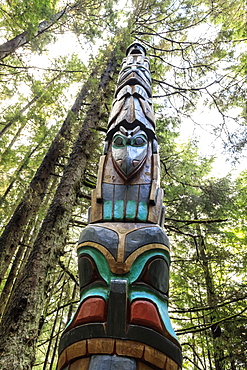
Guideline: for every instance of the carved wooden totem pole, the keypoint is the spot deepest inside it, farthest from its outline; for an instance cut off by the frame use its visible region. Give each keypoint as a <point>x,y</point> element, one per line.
<point>122,321</point>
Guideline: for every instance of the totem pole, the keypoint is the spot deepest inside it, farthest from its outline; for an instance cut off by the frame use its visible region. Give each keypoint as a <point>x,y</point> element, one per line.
<point>122,321</point>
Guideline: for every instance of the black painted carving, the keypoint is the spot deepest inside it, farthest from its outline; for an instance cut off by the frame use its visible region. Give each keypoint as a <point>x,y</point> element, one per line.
<point>117,309</point>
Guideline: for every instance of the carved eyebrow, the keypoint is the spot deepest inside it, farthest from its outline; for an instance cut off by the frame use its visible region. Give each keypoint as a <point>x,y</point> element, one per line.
<point>123,130</point>
<point>136,129</point>
<point>128,132</point>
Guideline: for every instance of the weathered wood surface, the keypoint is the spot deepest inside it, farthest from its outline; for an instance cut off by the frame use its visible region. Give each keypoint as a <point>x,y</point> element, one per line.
<point>122,321</point>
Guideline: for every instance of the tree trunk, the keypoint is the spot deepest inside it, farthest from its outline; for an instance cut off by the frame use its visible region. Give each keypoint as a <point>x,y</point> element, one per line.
<point>37,189</point>
<point>211,300</point>
<point>45,365</point>
<point>19,329</point>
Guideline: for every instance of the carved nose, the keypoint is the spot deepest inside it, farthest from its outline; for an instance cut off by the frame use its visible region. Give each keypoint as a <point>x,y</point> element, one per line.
<point>126,164</point>
<point>116,318</point>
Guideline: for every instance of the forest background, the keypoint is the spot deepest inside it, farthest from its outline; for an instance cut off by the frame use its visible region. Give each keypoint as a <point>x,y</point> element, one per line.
<point>55,102</point>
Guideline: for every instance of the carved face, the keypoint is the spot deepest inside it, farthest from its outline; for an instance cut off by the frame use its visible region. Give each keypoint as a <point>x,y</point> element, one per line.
<point>146,284</point>
<point>129,151</point>
<point>124,292</point>
<point>140,70</point>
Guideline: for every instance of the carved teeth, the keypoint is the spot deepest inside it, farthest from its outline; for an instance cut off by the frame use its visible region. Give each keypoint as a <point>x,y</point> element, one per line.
<point>119,162</point>
<point>135,162</point>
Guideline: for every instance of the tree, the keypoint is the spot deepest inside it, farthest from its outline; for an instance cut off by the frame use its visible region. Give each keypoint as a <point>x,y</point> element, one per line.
<point>26,300</point>
<point>50,145</point>
<point>210,300</point>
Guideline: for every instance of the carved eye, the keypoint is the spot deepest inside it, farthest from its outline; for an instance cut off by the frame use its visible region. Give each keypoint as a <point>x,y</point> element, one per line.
<point>145,72</point>
<point>118,141</point>
<point>138,141</point>
<point>88,271</point>
<point>156,274</point>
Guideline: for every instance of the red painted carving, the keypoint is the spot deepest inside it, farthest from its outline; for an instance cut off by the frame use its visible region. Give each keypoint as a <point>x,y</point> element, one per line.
<point>145,313</point>
<point>91,310</point>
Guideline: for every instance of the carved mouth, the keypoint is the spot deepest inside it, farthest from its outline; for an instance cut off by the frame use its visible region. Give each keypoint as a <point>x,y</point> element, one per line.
<point>141,323</point>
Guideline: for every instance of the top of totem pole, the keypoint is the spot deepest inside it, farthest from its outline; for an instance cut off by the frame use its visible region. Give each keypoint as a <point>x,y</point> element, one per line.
<point>132,105</point>
<point>136,48</point>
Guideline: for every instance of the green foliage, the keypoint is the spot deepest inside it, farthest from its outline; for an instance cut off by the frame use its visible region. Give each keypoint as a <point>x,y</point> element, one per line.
<point>206,221</point>
<point>19,16</point>
<point>196,55</point>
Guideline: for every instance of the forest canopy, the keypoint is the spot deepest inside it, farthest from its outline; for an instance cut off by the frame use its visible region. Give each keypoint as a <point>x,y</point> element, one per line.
<point>59,64</point>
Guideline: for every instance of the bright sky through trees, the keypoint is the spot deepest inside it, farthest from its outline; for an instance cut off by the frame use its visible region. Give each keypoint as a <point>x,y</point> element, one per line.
<point>199,126</point>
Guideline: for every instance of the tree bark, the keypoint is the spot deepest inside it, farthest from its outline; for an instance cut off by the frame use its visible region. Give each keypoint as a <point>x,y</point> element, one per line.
<point>36,191</point>
<point>19,329</point>
<point>11,278</point>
